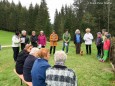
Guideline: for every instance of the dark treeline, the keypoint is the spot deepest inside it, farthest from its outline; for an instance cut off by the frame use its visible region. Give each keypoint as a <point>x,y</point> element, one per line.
<point>80,15</point>
<point>16,17</point>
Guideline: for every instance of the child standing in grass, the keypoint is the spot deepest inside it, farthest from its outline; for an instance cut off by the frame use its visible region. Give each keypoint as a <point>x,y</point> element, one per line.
<point>99,44</point>
<point>106,47</point>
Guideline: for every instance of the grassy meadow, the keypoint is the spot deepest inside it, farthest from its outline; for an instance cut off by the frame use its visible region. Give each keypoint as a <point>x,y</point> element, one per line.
<point>89,71</point>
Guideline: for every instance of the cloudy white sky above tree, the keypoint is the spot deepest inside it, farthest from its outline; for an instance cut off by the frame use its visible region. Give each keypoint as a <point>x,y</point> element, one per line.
<point>52,5</point>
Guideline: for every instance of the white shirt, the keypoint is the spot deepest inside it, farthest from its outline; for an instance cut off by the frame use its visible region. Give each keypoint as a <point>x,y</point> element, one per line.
<point>88,37</point>
<point>15,41</point>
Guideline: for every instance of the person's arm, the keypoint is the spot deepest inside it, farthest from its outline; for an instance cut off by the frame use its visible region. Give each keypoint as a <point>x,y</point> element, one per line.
<point>69,38</point>
<point>85,37</point>
<point>51,38</point>
<point>63,38</point>
<point>91,37</point>
<point>81,39</point>
<point>56,38</point>
<point>45,40</point>
<point>15,40</point>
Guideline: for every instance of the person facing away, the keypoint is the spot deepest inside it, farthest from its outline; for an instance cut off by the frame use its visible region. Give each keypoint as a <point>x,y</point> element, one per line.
<point>88,37</point>
<point>24,39</point>
<point>59,74</point>
<point>66,40</point>
<point>21,58</point>
<point>99,42</point>
<point>106,47</point>
<point>16,44</point>
<point>28,64</point>
<point>34,39</point>
<point>78,41</point>
<point>53,41</point>
<point>39,68</point>
<point>112,51</point>
<point>42,40</point>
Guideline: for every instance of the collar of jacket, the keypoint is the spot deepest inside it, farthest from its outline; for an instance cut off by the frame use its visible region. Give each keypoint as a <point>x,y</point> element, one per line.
<point>59,66</point>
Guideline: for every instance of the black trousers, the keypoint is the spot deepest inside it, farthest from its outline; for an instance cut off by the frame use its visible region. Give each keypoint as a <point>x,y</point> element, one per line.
<point>78,48</point>
<point>15,52</point>
<point>54,48</point>
<point>88,49</point>
<point>99,48</point>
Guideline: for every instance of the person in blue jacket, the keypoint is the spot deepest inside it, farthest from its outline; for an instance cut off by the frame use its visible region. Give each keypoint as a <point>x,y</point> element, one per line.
<point>40,66</point>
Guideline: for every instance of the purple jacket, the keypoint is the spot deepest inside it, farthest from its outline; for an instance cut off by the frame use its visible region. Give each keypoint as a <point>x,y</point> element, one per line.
<point>42,40</point>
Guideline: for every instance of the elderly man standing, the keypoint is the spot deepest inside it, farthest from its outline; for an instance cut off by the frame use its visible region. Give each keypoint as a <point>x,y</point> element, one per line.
<point>59,74</point>
<point>24,39</point>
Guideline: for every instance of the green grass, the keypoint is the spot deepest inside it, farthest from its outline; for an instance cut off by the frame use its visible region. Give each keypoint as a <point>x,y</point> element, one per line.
<point>89,71</point>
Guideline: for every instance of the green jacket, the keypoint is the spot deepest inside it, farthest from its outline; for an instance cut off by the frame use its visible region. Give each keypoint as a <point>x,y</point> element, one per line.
<point>66,37</point>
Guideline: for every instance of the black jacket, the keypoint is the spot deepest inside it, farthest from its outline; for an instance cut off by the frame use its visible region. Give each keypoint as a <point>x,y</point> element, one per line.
<point>81,39</point>
<point>20,61</point>
<point>28,67</point>
<point>33,40</point>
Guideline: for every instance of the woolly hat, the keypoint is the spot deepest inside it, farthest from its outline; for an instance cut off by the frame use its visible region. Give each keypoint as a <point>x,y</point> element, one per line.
<point>108,35</point>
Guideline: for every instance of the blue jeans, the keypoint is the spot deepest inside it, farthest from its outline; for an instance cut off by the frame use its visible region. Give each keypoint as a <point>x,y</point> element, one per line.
<point>67,47</point>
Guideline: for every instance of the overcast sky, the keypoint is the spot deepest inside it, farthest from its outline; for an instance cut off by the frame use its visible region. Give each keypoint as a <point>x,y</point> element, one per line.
<point>52,5</point>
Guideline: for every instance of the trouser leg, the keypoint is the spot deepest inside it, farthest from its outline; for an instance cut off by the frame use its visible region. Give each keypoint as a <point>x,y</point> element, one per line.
<point>87,49</point>
<point>63,46</point>
<point>50,49</point>
<point>54,49</point>
<point>105,55</point>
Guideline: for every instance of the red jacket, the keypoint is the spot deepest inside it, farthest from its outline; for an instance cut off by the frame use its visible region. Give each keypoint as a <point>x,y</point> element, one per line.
<point>42,40</point>
<point>106,45</point>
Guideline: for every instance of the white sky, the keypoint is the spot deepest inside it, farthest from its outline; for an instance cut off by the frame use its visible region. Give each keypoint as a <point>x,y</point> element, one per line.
<point>52,5</point>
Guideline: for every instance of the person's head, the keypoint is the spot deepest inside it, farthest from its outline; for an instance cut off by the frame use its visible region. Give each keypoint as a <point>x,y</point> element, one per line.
<point>33,33</point>
<point>17,33</point>
<point>23,32</point>
<point>108,36</point>
<point>103,31</point>
<point>99,34</point>
<point>35,52</point>
<point>77,31</point>
<point>60,58</point>
<point>41,32</point>
<point>66,31</point>
<point>88,30</point>
<point>53,32</point>
<point>44,53</point>
<point>28,47</point>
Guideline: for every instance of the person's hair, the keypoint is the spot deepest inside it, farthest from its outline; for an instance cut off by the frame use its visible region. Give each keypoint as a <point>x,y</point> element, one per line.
<point>34,50</point>
<point>23,31</point>
<point>17,33</point>
<point>41,31</point>
<point>43,52</point>
<point>88,30</point>
<point>99,33</point>
<point>77,31</point>
<point>27,46</point>
<point>104,30</point>
<point>33,32</point>
<point>60,56</point>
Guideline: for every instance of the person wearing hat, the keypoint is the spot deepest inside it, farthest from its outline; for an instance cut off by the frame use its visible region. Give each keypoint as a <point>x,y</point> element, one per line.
<point>42,40</point>
<point>21,58</point>
<point>99,41</point>
<point>59,74</point>
<point>106,47</point>
<point>53,41</point>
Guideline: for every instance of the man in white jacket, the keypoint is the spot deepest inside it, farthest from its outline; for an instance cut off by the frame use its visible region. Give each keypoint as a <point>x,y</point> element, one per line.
<point>88,37</point>
<point>15,45</point>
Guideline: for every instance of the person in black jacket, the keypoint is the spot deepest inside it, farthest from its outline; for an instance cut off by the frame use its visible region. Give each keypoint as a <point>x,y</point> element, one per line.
<point>34,54</point>
<point>78,41</point>
<point>24,39</point>
<point>21,58</point>
<point>34,39</point>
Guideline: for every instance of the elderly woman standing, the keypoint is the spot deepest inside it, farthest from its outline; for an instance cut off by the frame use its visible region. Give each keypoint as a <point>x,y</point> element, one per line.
<point>39,68</point>
<point>59,74</point>
<point>88,37</point>
<point>78,41</point>
<point>42,40</point>
<point>24,39</point>
<point>53,41</point>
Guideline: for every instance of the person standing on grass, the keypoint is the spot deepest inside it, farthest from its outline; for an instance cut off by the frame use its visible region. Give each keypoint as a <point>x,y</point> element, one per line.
<point>28,64</point>
<point>59,74</point>
<point>34,39</point>
<point>106,47</point>
<point>53,41</point>
<point>39,68</point>
<point>88,37</point>
<point>42,40</point>
<point>21,58</point>
<point>99,41</point>
<point>24,39</point>
<point>16,44</point>
<point>66,40</point>
<point>78,41</point>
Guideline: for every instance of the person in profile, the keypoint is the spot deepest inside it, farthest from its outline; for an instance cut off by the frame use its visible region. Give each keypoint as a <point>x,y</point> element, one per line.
<point>24,39</point>
<point>28,64</point>
<point>59,74</point>
<point>39,68</point>
<point>16,44</point>
<point>34,39</point>
<point>21,58</point>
